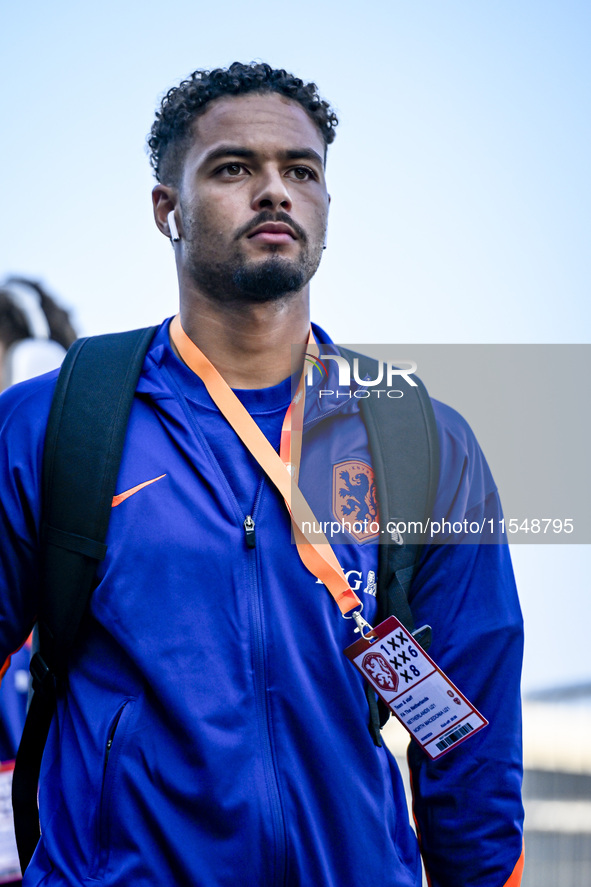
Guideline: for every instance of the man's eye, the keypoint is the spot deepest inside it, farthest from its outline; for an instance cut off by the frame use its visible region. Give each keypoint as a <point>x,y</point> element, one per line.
<point>232,169</point>
<point>302,173</point>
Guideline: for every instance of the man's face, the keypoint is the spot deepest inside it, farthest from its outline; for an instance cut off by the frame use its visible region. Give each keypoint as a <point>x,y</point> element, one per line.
<point>253,199</point>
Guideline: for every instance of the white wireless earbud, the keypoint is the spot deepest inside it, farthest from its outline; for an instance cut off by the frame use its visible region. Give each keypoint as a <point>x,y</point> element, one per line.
<point>174,231</point>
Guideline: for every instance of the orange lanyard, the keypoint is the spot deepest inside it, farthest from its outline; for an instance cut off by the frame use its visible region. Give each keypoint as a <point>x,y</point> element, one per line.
<point>290,448</point>
<point>313,547</point>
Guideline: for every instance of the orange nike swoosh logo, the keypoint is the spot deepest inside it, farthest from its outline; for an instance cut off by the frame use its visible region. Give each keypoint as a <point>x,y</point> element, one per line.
<point>121,497</point>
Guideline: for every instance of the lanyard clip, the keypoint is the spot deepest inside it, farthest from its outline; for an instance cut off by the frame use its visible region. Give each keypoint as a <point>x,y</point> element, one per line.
<point>361,623</point>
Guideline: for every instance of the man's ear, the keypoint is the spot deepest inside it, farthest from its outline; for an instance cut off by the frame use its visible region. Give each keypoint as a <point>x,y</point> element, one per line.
<point>164,201</point>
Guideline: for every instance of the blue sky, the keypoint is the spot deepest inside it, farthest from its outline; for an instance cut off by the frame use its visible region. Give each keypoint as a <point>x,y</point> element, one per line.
<point>459,177</point>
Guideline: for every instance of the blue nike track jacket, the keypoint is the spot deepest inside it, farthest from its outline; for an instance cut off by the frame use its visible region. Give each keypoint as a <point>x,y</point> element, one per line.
<point>211,728</point>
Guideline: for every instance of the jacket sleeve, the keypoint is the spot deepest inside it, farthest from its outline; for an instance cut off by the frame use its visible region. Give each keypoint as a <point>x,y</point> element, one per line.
<point>23,417</point>
<point>467,804</point>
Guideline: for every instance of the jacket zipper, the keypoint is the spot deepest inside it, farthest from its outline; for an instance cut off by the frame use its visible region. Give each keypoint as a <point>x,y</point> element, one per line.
<point>249,532</point>
<point>111,738</point>
<point>260,682</point>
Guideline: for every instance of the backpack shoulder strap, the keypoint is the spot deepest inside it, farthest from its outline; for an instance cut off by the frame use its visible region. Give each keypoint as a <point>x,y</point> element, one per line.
<point>404,447</point>
<point>83,447</point>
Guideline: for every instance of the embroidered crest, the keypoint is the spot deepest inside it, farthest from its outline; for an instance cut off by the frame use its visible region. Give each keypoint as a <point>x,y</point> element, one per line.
<point>354,502</point>
<point>379,670</point>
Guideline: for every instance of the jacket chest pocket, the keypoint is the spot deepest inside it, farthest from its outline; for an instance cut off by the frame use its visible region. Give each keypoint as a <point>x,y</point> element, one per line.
<point>113,747</point>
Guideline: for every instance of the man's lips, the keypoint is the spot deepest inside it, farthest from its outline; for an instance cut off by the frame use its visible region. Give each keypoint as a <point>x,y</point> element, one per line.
<point>272,232</point>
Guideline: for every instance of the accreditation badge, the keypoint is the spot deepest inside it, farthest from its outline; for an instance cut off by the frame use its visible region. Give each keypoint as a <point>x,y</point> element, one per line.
<point>422,697</point>
<point>10,869</point>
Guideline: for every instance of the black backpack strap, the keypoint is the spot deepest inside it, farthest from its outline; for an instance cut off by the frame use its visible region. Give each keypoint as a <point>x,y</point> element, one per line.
<point>404,447</point>
<point>83,447</point>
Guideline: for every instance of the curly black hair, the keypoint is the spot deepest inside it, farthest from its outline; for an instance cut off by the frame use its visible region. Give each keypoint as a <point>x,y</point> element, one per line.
<point>169,136</point>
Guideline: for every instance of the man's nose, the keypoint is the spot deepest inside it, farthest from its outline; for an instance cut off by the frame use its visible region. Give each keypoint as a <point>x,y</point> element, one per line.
<point>271,192</point>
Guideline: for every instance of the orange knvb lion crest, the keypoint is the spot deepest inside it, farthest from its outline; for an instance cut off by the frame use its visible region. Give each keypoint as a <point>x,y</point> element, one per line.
<point>354,502</point>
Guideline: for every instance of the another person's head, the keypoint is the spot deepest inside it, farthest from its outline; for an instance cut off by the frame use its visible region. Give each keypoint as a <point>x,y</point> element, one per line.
<point>35,331</point>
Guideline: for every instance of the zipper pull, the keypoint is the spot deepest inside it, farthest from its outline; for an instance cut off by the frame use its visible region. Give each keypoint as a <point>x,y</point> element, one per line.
<point>249,531</point>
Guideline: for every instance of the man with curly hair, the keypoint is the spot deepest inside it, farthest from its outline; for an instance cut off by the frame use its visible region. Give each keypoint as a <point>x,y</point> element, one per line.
<point>241,245</point>
<point>211,729</point>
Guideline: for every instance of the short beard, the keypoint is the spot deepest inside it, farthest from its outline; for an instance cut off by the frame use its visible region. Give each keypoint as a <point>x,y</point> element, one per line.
<point>241,283</point>
<point>237,281</point>
<point>270,280</point>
